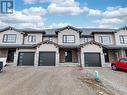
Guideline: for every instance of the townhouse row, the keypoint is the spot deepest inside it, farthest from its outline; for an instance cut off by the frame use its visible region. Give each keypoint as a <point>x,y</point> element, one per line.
<point>90,47</point>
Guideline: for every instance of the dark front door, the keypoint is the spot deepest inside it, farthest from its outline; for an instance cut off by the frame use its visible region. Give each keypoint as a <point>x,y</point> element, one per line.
<point>92,59</point>
<point>126,52</point>
<point>26,59</point>
<point>47,58</point>
<point>10,57</point>
<point>68,56</point>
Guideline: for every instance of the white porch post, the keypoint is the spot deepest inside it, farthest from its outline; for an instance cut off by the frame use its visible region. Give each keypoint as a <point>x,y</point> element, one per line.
<point>36,56</point>
<point>79,56</point>
<point>16,58</point>
<point>57,57</point>
<point>82,58</point>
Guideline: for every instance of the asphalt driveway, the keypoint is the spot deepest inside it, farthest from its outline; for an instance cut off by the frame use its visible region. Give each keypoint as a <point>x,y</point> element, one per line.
<point>42,81</point>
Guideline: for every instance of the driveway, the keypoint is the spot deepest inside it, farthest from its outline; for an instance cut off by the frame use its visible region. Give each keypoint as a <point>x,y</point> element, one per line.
<point>42,81</point>
<point>114,79</point>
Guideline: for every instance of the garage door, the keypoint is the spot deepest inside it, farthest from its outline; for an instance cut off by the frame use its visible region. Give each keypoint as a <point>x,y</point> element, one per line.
<point>26,59</point>
<point>92,59</point>
<point>47,58</point>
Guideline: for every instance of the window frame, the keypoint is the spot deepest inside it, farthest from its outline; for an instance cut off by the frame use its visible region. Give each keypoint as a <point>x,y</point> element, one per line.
<point>31,40</point>
<point>88,39</point>
<point>102,41</point>
<point>6,40</point>
<point>121,37</point>
<point>50,39</point>
<point>123,60</point>
<point>65,41</point>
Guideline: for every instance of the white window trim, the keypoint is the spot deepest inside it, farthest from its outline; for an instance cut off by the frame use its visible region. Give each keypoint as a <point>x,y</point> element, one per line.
<point>100,38</point>
<point>65,39</point>
<point>31,40</point>
<point>6,38</point>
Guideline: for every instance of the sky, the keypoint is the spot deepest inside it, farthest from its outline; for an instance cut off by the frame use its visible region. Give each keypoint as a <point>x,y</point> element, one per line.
<point>40,14</point>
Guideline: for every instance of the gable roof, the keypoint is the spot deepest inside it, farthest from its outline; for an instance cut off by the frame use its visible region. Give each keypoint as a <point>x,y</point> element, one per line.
<point>92,42</point>
<point>30,30</point>
<point>68,27</point>
<point>25,30</point>
<point>53,31</point>
<point>84,31</point>
<point>45,42</point>
<point>11,28</point>
<point>122,28</point>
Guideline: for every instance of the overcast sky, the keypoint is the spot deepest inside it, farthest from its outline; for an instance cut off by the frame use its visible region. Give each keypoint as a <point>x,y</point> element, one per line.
<point>58,13</point>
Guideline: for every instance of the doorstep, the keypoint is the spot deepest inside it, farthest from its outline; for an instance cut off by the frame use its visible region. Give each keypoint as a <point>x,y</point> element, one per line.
<point>68,64</point>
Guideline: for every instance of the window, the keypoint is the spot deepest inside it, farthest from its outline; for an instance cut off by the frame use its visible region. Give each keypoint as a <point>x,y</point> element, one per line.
<point>123,39</point>
<point>69,39</point>
<point>87,39</point>
<point>31,38</point>
<point>105,39</point>
<point>123,60</point>
<point>50,39</point>
<point>9,38</point>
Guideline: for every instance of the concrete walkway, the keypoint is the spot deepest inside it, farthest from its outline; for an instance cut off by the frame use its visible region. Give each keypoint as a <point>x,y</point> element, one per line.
<point>112,79</point>
<point>42,81</point>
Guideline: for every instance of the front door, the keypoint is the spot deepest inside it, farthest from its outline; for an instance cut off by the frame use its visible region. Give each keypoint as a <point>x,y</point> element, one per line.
<point>10,57</point>
<point>68,56</point>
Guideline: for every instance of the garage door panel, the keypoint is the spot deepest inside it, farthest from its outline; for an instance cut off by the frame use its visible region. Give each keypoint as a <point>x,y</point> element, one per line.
<point>47,58</point>
<point>26,59</point>
<point>92,59</point>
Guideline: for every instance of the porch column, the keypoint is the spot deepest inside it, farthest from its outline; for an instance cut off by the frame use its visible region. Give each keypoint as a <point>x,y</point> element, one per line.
<point>57,57</point>
<point>16,58</point>
<point>79,56</point>
<point>122,53</point>
<point>82,58</point>
<point>36,56</point>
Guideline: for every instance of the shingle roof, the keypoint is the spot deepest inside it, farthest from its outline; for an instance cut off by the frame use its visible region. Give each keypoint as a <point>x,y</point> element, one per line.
<point>69,46</point>
<point>91,42</point>
<point>89,31</point>
<point>85,31</point>
<point>25,30</point>
<point>30,30</point>
<point>116,46</point>
<point>10,28</point>
<point>50,31</point>
<point>68,27</point>
<point>15,46</point>
<point>46,42</point>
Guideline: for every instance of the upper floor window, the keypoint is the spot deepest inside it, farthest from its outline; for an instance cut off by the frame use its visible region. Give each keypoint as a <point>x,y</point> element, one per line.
<point>9,38</point>
<point>31,38</point>
<point>105,39</point>
<point>87,39</point>
<point>50,39</point>
<point>123,39</point>
<point>69,39</point>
